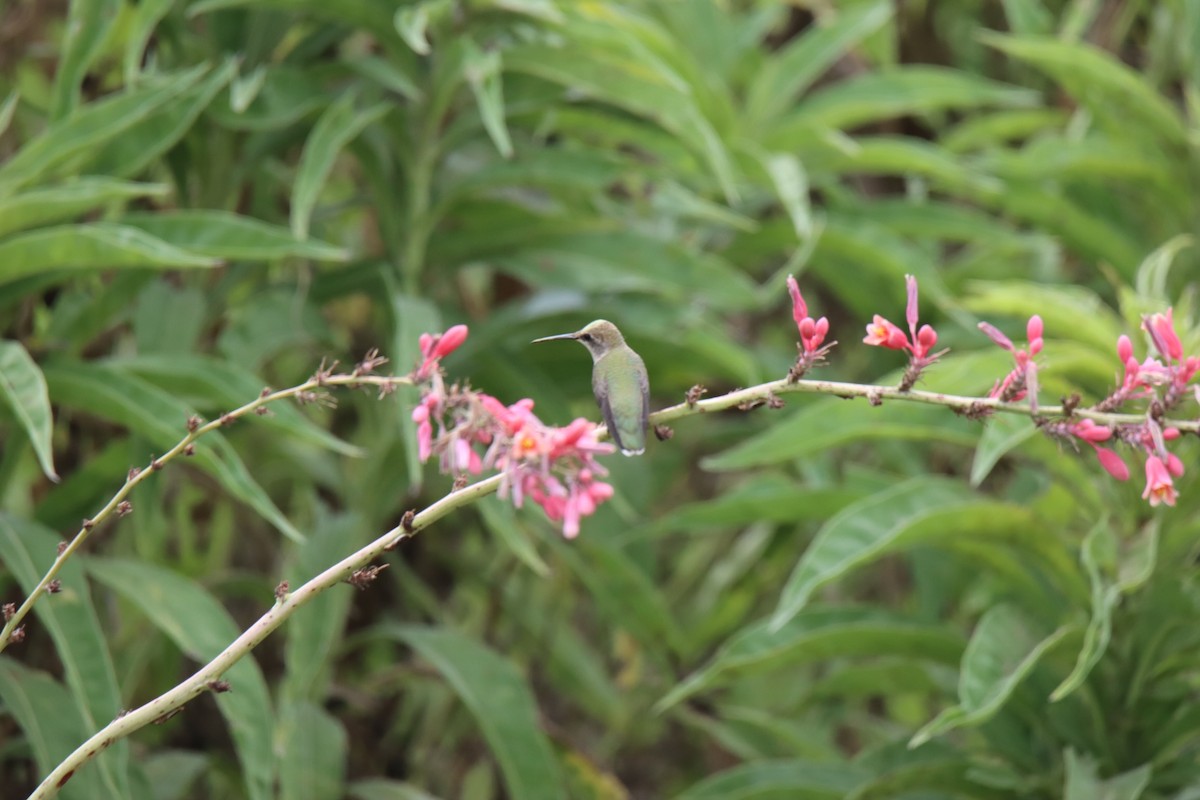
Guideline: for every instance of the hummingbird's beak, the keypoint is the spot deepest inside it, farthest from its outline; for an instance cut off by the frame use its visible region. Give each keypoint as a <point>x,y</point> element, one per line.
<point>559,336</point>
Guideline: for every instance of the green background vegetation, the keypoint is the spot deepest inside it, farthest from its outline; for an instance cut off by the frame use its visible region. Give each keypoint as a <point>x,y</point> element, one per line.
<point>201,198</point>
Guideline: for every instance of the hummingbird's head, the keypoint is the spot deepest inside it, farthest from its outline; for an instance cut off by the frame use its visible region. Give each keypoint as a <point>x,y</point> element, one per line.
<point>598,337</point>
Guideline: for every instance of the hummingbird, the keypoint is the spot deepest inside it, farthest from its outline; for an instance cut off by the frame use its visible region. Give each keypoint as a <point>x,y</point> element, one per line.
<point>619,382</point>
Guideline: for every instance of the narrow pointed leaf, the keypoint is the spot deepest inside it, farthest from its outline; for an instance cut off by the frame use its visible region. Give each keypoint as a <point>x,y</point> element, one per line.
<point>68,200</point>
<point>313,761</point>
<point>336,127</point>
<point>88,25</point>
<point>125,399</point>
<point>497,695</point>
<point>815,634</point>
<point>860,533</point>
<point>1083,781</point>
<point>23,390</point>
<point>94,246</point>
<point>50,721</point>
<point>482,71</point>
<point>1002,652</point>
<point>201,628</point>
<point>781,79</point>
<point>220,234</point>
<point>802,780</point>
<point>92,126</point>
<point>28,552</point>
<point>1001,434</point>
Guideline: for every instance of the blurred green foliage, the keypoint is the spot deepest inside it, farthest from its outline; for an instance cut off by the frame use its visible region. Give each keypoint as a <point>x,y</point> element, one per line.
<point>201,198</point>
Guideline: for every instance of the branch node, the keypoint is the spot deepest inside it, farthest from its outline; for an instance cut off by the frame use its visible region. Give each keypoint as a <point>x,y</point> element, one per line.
<point>281,591</point>
<point>663,432</point>
<point>124,508</point>
<point>88,524</point>
<point>133,473</point>
<point>694,394</point>
<point>362,578</point>
<point>406,522</point>
<point>62,548</point>
<point>194,423</point>
<point>9,609</point>
<point>18,635</point>
<point>54,586</point>
<point>218,686</point>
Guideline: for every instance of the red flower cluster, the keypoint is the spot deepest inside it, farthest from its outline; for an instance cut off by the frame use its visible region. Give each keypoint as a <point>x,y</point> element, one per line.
<point>812,345</point>
<point>1023,378</point>
<point>554,467</point>
<point>883,333</point>
<point>1164,381</point>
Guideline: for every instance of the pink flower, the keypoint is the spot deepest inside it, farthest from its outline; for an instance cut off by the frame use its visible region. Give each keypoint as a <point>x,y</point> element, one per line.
<point>1159,486</point>
<point>884,333</point>
<point>1161,328</point>
<point>1023,378</point>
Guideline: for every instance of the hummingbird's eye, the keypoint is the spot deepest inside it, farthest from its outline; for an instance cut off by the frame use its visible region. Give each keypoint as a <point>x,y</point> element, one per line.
<point>587,337</point>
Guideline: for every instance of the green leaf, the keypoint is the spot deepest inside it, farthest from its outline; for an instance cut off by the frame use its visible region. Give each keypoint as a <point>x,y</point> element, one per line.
<point>482,70</point>
<point>91,127</point>
<point>222,384</point>
<point>151,137</point>
<point>905,90</point>
<point>501,519</point>
<point>791,184</point>
<point>383,789</point>
<point>91,247</point>
<point>308,647</point>
<point>1002,652</point>
<point>815,634</point>
<point>336,127</point>
<point>768,497</point>
<point>641,88</point>
<point>797,66</point>
<point>1109,89</point>
<point>88,24</point>
<point>220,234</point>
<point>1083,780</point>
<point>411,316</point>
<point>920,508</point>
<point>68,200</point>
<point>172,772</point>
<point>146,15</point>
<point>1100,546</point>
<point>386,74</point>
<point>776,780</point>
<point>1001,434</point>
<point>50,721</point>
<point>23,389</point>
<point>312,765</point>
<point>497,695</point>
<point>29,550</point>
<point>201,628</point>
<point>106,391</point>
<point>412,22</point>
<point>7,109</point>
<point>624,592</point>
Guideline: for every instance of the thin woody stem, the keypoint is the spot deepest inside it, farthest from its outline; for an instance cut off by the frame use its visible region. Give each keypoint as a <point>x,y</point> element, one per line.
<point>288,603</point>
<point>318,381</point>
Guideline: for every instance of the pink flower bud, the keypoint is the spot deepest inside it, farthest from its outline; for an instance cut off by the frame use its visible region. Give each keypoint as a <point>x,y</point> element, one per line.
<point>1033,329</point>
<point>910,310</point>
<point>799,307</point>
<point>1174,465</point>
<point>996,335</point>
<point>927,337</point>
<point>1112,463</point>
<point>1161,328</point>
<point>450,341</point>
<point>1089,431</point>
<point>1124,349</point>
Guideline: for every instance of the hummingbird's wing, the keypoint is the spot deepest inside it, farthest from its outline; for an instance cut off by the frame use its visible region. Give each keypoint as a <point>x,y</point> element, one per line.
<point>624,400</point>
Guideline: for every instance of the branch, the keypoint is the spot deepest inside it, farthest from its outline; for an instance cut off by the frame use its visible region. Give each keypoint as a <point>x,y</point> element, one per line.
<point>288,603</point>
<point>119,506</point>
